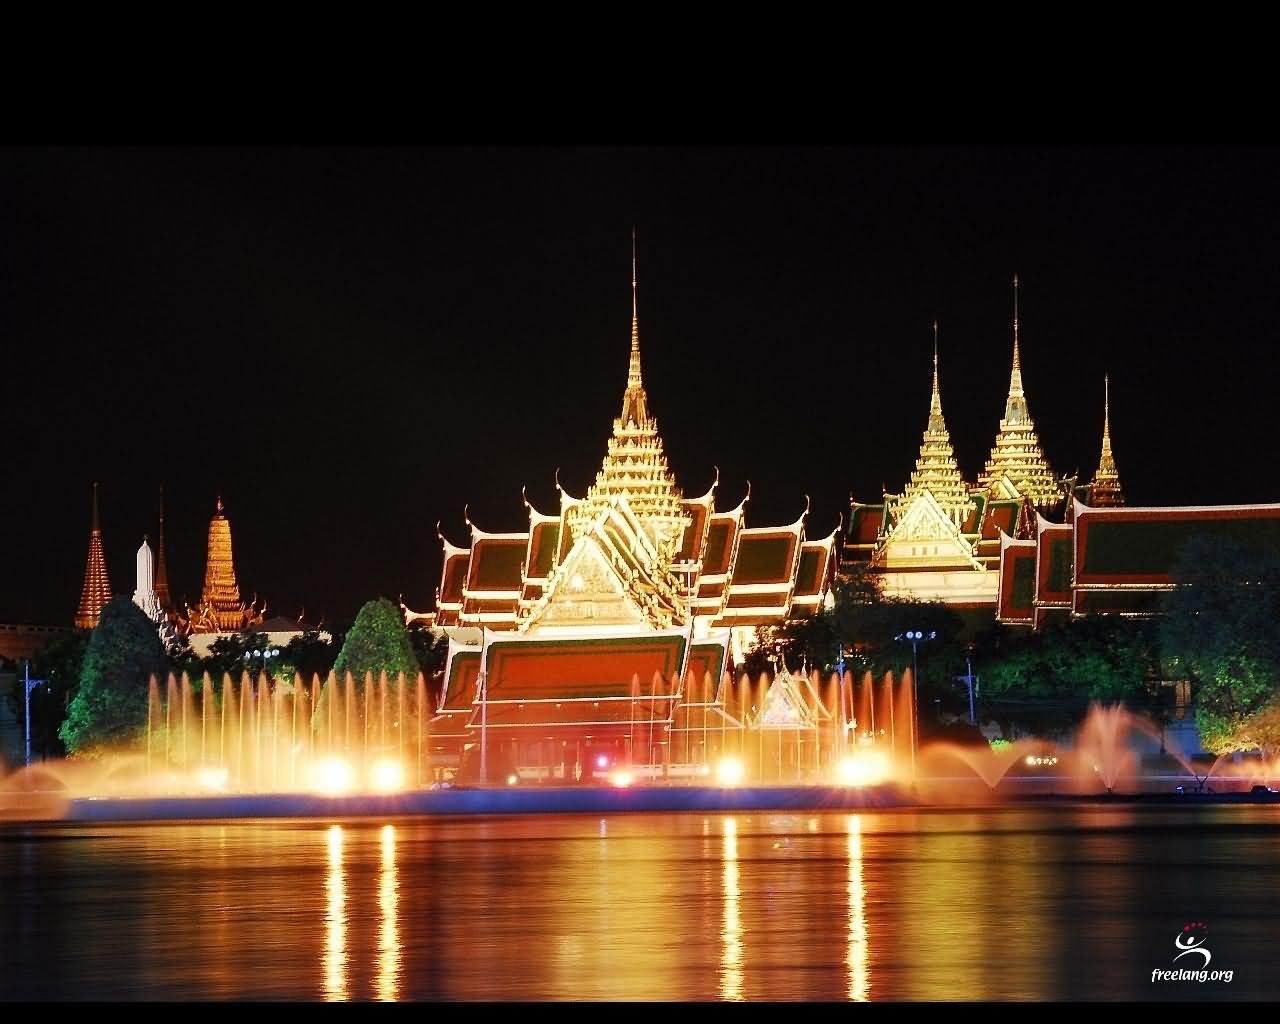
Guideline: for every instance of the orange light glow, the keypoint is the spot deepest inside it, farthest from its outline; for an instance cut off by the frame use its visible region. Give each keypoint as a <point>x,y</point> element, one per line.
<point>387,776</point>
<point>333,776</point>
<point>621,779</point>
<point>213,779</point>
<point>865,769</point>
<point>730,771</point>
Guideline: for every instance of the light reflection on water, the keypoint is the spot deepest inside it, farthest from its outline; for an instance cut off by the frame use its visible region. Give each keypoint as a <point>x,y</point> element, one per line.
<point>1063,902</point>
<point>731,972</point>
<point>335,947</point>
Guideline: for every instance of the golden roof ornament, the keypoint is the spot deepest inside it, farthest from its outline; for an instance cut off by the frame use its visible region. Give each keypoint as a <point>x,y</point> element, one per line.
<point>1105,491</point>
<point>1017,453</point>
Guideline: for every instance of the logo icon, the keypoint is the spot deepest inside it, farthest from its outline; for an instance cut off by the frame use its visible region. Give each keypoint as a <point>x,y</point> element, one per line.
<point>1191,940</point>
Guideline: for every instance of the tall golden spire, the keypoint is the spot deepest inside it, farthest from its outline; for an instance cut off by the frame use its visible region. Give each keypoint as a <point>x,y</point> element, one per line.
<point>97,588</point>
<point>1105,490</point>
<point>635,403</point>
<point>162,572</point>
<point>1017,453</point>
<point>635,465</point>
<point>936,469</point>
<point>220,609</point>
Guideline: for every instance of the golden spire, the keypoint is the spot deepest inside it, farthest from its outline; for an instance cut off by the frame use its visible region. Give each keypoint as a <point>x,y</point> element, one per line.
<point>635,403</point>
<point>162,572</point>
<point>1105,490</point>
<point>1017,453</point>
<point>936,469</point>
<point>97,588</point>
<point>220,609</point>
<point>635,465</point>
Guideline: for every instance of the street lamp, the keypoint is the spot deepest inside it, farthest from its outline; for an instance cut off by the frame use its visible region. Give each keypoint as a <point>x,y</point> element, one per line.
<point>969,680</point>
<point>915,638</point>
<point>29,684</point>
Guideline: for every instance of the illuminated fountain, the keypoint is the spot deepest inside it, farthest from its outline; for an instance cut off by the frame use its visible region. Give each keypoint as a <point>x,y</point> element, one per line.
<point>269,736</point>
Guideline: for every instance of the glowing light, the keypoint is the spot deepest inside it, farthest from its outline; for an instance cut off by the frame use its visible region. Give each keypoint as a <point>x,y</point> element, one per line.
<point>333,776</point>
<point>577,582</point>
<point>621,779</point>
<point>512,779</point>
<point>866,769</point>
<point>730,771</point>
<point>212,778</point>
<point>387,776</point>
<point>602,761</point>
<point>1031,759</point>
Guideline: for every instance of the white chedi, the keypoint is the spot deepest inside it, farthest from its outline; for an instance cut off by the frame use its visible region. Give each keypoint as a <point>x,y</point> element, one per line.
<point>144,596</point>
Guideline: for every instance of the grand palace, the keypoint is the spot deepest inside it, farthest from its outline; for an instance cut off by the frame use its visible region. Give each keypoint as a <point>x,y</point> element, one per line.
<point>630,608</point>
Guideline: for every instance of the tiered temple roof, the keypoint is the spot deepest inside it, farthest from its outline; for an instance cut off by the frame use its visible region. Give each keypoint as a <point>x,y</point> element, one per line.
<point>1115,561</point>
<point>634,466</point>
<point>96,591</point>
<point>616,597</point>
<point>1105,491</point>
<point>936,468</point>
<point>1016,458</point>
<point>220,609</point>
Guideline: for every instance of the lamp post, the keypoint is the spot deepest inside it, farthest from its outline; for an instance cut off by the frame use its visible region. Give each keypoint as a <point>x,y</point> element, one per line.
<point>28,684</point>
<point>915,637</point>
<point>969,680</point>
<point>484,728</point>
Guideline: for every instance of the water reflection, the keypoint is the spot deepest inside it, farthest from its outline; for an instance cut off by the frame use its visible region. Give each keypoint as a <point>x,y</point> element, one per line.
<point>731,935</point>
<point>389,936</point>
<point>856,958</point>
<point>335,942</point>
<point>1037,903</point>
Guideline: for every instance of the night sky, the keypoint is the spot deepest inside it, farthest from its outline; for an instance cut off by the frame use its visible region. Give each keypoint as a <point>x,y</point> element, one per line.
<point>351,345</point>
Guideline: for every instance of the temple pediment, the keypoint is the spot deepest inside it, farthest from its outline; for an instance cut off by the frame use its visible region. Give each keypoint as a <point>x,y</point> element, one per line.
<point>925,535</point>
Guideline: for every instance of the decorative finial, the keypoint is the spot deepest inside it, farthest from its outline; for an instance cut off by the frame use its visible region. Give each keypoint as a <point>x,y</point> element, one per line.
<point>95,525</point>
<point>219,508</point>
<point>1106,411</point>
<point>935,399</point>
<point>634,382</point>
<point>466,515</point>
<point>1017,363</point>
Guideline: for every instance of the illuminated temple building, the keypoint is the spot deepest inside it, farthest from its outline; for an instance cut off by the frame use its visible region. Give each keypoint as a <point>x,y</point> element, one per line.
<point>220,609</point>
<point>628,591</point>
<point>941,539</point>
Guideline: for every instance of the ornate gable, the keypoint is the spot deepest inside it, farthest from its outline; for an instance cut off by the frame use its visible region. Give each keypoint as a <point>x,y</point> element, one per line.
<point>925,535</point>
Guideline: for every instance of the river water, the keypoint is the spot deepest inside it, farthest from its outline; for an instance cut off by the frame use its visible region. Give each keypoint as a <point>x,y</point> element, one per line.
<point>1073,901</point>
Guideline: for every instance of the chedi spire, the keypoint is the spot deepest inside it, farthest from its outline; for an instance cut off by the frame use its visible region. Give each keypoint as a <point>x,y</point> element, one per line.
<point>96,591</point>
<point>1016,454</point>
<point>936,468</point>
<point>1105,491</point>
<point>220,609</point>
<point>635,466</point>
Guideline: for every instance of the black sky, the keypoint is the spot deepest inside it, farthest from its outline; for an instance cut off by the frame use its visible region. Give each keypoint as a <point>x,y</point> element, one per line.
<point>351,344</point>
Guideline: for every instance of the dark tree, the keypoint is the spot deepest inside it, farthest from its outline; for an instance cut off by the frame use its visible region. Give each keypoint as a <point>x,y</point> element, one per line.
<point>110,706</point>
<point>1221,627</point>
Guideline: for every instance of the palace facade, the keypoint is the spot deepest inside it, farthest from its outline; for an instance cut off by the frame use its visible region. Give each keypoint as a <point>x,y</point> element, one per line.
<point>632,590</point>
<point>942,537</point>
